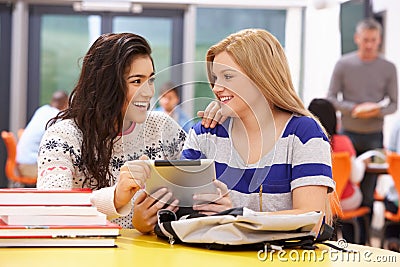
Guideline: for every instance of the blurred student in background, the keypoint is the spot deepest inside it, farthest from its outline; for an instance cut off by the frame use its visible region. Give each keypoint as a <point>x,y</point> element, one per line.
<point>351,197</point>
<point>28,143</point>
<point>169,103</point>
<point>391,196</point>
<point>326,113</point>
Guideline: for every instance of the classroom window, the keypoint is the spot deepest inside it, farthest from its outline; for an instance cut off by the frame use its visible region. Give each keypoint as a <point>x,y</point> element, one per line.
<point>214,24</point>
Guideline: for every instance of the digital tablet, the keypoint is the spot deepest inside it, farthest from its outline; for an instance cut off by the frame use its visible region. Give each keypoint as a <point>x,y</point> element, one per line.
<point>183,178</point>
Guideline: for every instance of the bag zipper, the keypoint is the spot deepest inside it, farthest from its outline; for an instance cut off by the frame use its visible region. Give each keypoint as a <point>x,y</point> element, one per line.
<point>171,239</point>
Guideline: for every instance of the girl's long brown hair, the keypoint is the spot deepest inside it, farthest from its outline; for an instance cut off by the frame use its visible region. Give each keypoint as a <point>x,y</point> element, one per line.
<point>96,102</point>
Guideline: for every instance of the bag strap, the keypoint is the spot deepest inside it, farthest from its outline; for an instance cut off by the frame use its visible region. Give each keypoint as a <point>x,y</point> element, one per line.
<point>325,233</point>
<point>335,247</point>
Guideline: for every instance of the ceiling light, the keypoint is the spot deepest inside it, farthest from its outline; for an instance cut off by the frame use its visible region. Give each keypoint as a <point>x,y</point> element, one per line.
<point>111,6</point>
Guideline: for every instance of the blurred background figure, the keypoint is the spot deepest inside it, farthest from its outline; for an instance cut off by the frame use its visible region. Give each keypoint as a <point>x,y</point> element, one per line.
<point>326,113</point>
<point>169,103</point>
<point>386,189</point>
<point>28,144</point>
<point>363,88</point>
<point>351,197</point>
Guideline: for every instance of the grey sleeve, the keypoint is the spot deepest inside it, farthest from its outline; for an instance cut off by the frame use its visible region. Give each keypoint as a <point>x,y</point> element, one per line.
<point>391,92</point>
<point>336,89</point>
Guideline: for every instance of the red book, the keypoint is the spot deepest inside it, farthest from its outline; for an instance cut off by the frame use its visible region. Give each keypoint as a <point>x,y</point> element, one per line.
<point>43,197</point>
<point>47,231</point>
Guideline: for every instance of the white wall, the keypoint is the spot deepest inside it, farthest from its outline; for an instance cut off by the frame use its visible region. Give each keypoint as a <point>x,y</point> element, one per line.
<point>391,47</point>
<point>322,50</point>
<point>292,43</point>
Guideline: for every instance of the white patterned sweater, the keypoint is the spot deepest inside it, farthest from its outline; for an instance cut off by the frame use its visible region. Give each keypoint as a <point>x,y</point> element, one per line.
<point>60,164</point>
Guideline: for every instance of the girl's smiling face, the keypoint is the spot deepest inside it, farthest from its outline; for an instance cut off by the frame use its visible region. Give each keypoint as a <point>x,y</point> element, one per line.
<point>139,79</point>
<point>236,92</point>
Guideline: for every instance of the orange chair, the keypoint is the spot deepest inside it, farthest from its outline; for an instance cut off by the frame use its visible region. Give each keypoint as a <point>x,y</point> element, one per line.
<point>341,171</point>
<point>393,160</point>
<point>11,164</point>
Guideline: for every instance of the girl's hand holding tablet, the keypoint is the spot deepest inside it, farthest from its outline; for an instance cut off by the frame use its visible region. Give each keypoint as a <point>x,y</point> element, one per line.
<point>133,176</point>
<point>214,203</point>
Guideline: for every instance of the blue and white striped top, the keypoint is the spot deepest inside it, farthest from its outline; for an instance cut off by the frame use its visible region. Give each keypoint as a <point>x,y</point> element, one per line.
<point>301,157</point>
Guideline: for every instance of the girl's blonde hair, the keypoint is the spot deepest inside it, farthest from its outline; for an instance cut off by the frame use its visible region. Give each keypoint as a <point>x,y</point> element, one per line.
<point>262,59</point>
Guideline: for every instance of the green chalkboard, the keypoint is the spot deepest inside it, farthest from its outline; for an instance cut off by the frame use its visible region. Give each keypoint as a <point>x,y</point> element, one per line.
<point>351,13</point>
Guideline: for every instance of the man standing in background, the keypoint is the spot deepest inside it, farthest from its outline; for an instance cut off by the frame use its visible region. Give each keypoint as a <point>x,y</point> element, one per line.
<point>363,88</point>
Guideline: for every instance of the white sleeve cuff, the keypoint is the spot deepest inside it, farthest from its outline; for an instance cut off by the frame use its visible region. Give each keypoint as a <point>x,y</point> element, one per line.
<point>103,199</point>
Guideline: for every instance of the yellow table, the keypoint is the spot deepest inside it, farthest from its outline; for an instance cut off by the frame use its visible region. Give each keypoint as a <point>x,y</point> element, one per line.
<point>135,249</point>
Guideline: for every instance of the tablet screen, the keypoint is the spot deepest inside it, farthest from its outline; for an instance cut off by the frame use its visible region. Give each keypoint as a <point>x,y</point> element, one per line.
<point>183,178</point>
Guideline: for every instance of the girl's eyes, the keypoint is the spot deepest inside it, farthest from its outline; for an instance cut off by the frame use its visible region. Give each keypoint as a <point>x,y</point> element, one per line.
<point>228,76</point>
<point>151,80</point>
<point>136,81</point>
<point>139,81</point>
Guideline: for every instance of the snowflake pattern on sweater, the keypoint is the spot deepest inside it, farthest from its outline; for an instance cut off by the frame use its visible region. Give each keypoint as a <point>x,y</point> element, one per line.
<point>60,163</point>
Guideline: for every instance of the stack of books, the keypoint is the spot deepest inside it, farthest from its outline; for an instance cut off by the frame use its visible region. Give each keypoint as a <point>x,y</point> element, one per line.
<point>53,218</point>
